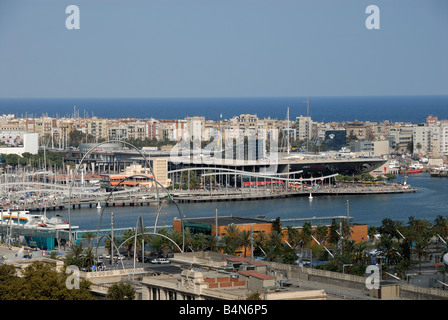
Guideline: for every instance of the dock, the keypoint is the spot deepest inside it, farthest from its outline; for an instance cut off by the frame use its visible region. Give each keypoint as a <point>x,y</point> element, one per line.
<point>262,195</point>
<point>192,196</point>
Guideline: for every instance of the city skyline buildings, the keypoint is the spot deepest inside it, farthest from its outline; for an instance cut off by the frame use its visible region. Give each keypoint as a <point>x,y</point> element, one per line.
<point>430,138</point>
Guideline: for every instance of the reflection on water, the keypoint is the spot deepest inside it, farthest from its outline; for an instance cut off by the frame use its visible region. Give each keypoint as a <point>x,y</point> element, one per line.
<point>428,202</point>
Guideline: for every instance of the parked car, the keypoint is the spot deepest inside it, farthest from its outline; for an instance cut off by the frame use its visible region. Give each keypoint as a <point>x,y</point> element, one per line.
<point>160,261</point>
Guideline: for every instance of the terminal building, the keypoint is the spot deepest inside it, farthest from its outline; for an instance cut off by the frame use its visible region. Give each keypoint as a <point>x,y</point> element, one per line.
<point>209,225</point>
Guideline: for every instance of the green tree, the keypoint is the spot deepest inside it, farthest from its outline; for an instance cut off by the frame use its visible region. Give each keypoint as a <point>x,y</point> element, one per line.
<point>88,236</point>
<point>74,255</point>
<point>129,239</point>
<point>121,291</point>
<point>212,242</point>
<point>162,243</point>
<point>320,233</point>
<point>276,238</point>
<point>260,239</point>
<point>390,228</point>
<point>231,239</point>
<point>440,227</point>
<point>421,248</point>
<point>305,234</point>
<point>276,225</point>
<point>289,255</point>
<point>40,281</point>
<point>418,146</point>
<point>199,242</point>
<point>390,177</point>
<point>254,296</point>
<point>244,238</point>
<point>371,233</point>
<point>333,235</point>
<point>389,249</point>
<point>293,236</point>
<point>190,178</point>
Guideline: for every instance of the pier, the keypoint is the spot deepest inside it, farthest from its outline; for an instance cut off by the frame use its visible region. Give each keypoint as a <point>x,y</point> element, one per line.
<point>149,198</point>
<point>277,194</point>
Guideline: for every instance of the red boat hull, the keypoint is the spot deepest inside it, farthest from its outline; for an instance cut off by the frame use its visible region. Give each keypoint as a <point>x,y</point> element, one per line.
<point>412,170</point>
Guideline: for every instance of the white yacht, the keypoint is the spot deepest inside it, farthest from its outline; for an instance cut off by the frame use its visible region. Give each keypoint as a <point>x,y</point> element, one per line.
<point>36,221</point>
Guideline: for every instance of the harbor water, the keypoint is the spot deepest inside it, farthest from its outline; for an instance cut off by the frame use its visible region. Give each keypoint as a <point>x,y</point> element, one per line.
<point>428,202</point>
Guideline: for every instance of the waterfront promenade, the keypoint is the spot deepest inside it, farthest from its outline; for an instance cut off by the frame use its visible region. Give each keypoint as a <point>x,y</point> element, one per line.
<point>142,198</point>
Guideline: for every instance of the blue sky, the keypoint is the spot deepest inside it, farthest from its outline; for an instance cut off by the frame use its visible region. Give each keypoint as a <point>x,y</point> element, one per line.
<point>222,48</point>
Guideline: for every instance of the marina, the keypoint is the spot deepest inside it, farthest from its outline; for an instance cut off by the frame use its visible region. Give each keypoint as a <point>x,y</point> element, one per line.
<point>427,202</point>
<point>41,196</point>
<point>25,202</point>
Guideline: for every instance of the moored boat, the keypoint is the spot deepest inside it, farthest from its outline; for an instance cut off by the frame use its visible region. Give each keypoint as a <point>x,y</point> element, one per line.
<point>37,221</point>
<point>412,169</point>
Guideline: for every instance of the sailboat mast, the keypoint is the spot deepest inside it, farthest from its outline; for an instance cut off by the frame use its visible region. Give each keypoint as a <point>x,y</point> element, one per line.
<point>287,133</point>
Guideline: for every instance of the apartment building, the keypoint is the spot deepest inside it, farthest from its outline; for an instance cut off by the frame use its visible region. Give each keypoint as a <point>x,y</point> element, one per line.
<point>96,127</point>
<point>304,128</point>
<point>195,126</point>
<point>431,138</point>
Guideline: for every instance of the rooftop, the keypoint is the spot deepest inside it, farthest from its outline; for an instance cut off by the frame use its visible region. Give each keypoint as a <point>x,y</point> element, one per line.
<point>255,274</point>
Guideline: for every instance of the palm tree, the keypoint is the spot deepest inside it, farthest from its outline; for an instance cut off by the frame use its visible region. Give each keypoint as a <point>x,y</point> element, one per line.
<point>320,233</point>
<point>293,236</point>
<point>74,256</point>
<point>231,238</point>
<point>89,258</point>
<point>418,146</point>
<point>89,235</point>
<point>359,253</point>
<point>108,246</point>
<point>440,227</point>
<point>419,226</point>
<point>390,228</point>
<point>177,237</point>
<point>305,234</point>
<point>229,245</point>
<point>188,238</point>
<point>199,242</point>
<point>143,238</point>
<point>389,250</point>
<point>276,238</point>
<point>421,248</point>
<point>129,244</point>
<point>260,239</point>
<point>232,231</point>
<point>271,252</point>
<point>402,267</point>
<point>211,242</point>
<point>245,240</point>
<point>371,233</point>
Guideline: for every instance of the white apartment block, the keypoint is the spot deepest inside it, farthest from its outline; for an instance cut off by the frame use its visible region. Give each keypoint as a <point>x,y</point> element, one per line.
<point>304,128</point>
<point>119,132</point>
<point>431,139</point>
<point>196,128</point>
